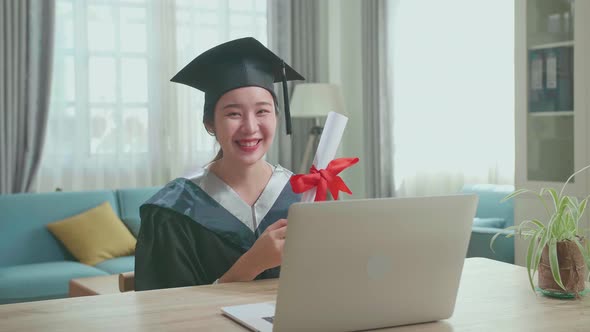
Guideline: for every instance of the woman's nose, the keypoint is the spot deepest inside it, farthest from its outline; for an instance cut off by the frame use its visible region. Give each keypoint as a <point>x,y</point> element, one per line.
<point>250,124</point>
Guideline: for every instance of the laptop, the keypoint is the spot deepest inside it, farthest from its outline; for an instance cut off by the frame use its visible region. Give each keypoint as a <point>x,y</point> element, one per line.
<point>366,264</point>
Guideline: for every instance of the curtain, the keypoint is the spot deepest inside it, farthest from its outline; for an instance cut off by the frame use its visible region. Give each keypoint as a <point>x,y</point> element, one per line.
<point>452,94</point>
<point>293,35</point>
<point>26,54</point>
<point>115,119</point>
<point>279,41</point>
<point>376,94</point>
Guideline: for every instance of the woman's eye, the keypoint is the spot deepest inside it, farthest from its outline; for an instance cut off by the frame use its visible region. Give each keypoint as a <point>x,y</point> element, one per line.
<point>233,114</point>
<point>263,111</point>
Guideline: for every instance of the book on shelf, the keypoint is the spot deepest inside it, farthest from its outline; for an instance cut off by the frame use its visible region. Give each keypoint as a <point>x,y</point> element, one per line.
<point>551,79</point>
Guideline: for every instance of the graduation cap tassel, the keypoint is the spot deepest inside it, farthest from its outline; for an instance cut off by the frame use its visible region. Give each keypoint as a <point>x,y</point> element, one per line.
<point>286,98</point>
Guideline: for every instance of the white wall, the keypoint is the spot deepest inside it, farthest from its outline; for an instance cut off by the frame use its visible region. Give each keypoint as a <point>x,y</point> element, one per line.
<point>340,63</point>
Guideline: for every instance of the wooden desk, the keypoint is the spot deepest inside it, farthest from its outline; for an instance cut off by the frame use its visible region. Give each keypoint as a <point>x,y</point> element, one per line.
<point>493,296</point>
<point>94,286</point>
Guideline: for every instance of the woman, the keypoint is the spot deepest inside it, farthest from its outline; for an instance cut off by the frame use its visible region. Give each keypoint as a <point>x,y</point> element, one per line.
<point>227,224</point>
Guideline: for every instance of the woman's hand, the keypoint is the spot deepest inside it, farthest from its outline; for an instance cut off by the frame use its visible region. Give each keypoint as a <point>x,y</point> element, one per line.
<point>266,253</point>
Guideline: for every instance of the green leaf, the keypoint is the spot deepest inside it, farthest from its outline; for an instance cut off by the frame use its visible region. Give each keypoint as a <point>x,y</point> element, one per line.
<point>494,240</point>
<point>516,193</point>
<point>536,222</point>
<point>571,176</point>
<point>529,260</point>
<point>508,235</point>
<point>522,232</point>
<point>563,204</point>
<point>554,263</point>
<point>573,207</point>
<point>551,223</point>
<point>553,194</point>
<point>582,208</point>
<point>583,251</point>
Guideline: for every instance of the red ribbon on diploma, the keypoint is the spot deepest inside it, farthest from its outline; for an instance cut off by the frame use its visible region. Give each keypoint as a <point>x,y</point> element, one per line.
<point>324,179</point>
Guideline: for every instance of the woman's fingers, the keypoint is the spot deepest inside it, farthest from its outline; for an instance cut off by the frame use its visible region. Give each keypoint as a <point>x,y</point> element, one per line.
<point>278,224</point>
<point>280,233</point>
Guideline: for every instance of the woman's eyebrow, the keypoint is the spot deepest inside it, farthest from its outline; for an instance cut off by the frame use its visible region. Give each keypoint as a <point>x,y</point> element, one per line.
<point>237,105</point>
<point>263,103</point>
<point>233,106</point>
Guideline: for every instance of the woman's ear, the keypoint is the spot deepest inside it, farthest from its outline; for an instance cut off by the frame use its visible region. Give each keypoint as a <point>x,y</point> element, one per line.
<point>210,129</point>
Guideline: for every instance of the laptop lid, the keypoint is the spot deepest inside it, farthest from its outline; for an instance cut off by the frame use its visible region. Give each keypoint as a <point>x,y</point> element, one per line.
<point>364,264</point>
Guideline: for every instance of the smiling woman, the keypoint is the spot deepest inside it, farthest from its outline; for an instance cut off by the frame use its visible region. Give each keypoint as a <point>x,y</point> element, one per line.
<point>227,223</point>
<point>245,125</point>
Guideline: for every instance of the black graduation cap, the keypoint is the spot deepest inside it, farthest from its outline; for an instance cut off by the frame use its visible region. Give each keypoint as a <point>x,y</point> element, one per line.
<point>235,64</point>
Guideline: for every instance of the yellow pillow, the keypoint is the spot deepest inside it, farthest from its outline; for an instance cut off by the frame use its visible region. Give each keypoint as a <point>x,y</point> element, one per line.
<point>95,235</point>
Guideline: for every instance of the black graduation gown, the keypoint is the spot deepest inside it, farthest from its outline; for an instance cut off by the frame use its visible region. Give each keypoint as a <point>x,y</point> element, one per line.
<point>187,238</point>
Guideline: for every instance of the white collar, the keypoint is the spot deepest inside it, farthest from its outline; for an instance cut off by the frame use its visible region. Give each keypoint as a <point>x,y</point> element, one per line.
<point>223,194</point>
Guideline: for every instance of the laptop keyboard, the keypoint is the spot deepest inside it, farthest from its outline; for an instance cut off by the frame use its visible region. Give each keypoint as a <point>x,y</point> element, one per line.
<point>269,319</point>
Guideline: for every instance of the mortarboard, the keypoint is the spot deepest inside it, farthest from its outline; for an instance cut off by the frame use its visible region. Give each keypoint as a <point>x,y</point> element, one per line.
<point>235,64</point>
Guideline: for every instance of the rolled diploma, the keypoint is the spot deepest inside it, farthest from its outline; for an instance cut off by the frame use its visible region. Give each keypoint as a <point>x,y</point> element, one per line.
<point>327,147</point>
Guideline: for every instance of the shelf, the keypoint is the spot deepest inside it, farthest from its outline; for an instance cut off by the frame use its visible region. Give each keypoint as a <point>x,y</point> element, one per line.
<point>552,45</point>
<point>560,113</point>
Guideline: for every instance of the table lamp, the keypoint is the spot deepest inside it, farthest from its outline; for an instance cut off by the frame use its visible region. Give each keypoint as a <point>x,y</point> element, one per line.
<point>314,101</point>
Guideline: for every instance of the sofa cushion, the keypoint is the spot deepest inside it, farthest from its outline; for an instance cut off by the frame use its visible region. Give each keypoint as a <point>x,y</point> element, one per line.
<point>133,224</point>
<point>41,281</point>
<point>489,222</point>
<point>94,235</point>
<point>117,265</point>
<point>129,201</point>
<point>490,203</point>
<point>479,244</point>
<point>25,239</point>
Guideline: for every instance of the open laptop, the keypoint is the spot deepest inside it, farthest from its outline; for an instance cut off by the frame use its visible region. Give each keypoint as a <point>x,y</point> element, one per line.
<point>365,264</point>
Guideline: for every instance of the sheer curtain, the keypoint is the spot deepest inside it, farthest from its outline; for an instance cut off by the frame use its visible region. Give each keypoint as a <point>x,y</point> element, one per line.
<point>293,30</point>
<point>379,181</point>
<point>453,94</point>
<point>115,120</point>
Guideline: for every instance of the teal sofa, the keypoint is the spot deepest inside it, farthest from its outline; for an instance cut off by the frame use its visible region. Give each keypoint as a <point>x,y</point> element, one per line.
<point>491,217</point>
<point>34,265</point>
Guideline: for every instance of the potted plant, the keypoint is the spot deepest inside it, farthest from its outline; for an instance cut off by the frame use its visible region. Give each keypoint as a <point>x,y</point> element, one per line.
<point>557,250</point>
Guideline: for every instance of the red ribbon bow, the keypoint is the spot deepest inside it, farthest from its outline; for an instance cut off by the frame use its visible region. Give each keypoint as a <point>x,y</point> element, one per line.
<point>324,179</point>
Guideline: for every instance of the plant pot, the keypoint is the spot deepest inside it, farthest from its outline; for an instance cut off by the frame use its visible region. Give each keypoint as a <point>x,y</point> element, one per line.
<point>572,269</point>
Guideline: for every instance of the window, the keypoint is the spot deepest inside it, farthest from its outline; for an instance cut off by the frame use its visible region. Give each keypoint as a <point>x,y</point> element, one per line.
<point>115,119</point>
<point>453,94</point>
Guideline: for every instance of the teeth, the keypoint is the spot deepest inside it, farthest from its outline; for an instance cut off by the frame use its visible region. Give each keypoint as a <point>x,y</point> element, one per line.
<point>248,144</point>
